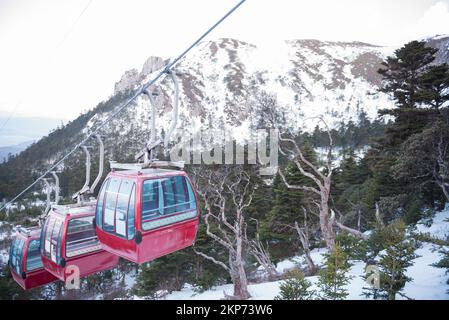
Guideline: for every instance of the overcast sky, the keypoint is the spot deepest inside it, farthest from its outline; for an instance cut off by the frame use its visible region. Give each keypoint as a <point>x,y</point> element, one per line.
<point>61,57</point>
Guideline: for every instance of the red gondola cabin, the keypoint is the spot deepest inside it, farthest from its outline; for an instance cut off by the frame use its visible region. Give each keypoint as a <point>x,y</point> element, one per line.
<point>25,260</point>
<point>68,239</point>
<point>144,214</point>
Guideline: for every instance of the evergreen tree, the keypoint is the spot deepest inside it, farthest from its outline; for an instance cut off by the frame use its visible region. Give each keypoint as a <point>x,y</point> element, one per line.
<point>295,288</point>
<point>402,72</point>
<point>334,278</point>
<point>402,75</point>
<point>397,256</point>
<point>168,273</point>
<point>424,158</point>
<point>434,86</point>
<point>348,190</point>
<point>287,207</point>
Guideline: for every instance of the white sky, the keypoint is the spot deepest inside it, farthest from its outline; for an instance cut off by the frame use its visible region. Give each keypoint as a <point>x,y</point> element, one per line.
<point>55,64</point>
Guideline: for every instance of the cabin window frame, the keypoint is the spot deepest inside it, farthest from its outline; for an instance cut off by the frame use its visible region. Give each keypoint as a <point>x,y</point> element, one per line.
<point>47,235</point>
<point>114,207</point>
<point>163,219</point>
<point>82,250</point>
<point>128,226</point>
<point>16,255</point>
<point>126,205</point>
<point>38,265</point>
<point>101,199</point>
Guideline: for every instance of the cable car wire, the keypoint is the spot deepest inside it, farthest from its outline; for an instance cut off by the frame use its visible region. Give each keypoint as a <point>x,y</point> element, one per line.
<point>72,27</point>
<point>140,91</point>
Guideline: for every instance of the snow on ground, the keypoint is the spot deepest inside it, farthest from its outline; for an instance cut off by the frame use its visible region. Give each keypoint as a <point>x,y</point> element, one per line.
<point>130,279</point>
<point>289,264</point>
<point>439,227</point>
<point>429,282</point>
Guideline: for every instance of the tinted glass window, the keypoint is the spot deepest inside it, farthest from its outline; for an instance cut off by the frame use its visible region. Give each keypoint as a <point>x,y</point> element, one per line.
<point>122,207</point>
<point>166,201</point>
<point>182,194</point>
<point>16,254</point>
<point>56,241</point>
<point>170,196</point>
<point>52,232</point>
<point>49,223</point>
<point>34,260</point>
<point>99,210</point>
<point>150,200</point>
<point>81,237</point>
<point>109,206</point>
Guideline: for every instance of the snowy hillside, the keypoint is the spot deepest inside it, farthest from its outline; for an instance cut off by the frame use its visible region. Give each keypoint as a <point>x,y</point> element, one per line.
<point>429,282</point>
<point>220,80</point>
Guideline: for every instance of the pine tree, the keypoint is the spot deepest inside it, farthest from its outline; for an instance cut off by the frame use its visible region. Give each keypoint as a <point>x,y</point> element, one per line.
<point>402,75</point>
<point>403,70</point>
<point>287,205</point>
<point>334,278</point>
<point>348,190</point>
<point>398,255</point>
<point>424,158</point>
<point>295,288</point>
<point>434,86</point>
<point>168,273</point>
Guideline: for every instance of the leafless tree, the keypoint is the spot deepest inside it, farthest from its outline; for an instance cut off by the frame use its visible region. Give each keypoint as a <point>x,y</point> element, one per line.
<point>261,253</point>
<point>322,180</point>
<point>227,193</point>
<point>304,238</point>
<point>304,232</point>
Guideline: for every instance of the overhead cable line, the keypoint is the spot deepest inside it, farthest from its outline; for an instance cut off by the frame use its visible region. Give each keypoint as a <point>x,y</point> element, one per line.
<point>140,91</point>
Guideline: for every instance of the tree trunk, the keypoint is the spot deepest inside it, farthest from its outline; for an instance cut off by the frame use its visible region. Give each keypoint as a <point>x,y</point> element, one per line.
<point>240,284</point>
<point>443,188</point>
<point>327,226</point>
<point>240,279</point>
<point>304,238</point>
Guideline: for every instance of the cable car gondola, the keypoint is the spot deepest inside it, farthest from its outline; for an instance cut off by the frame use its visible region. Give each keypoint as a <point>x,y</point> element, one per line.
<point>145,214</point>
<point>148,211</point>
<point>68,236</point>
<point>68,239</point>
<point>24,256</point>
<point>25,260</point>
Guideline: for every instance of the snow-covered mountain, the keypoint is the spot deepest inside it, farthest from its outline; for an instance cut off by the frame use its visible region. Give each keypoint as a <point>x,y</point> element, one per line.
<point>220,80</point>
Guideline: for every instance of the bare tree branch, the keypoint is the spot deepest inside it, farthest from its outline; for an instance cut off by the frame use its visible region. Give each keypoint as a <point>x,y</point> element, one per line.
<point>217,262</point>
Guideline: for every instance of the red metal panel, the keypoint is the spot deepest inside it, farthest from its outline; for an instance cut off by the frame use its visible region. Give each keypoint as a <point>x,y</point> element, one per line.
<point>35,279</point>
<point>53,268</point>
<point>121,247</point>
<point>161,242</point>
<point>87,264</point>
<point>155,243</point>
